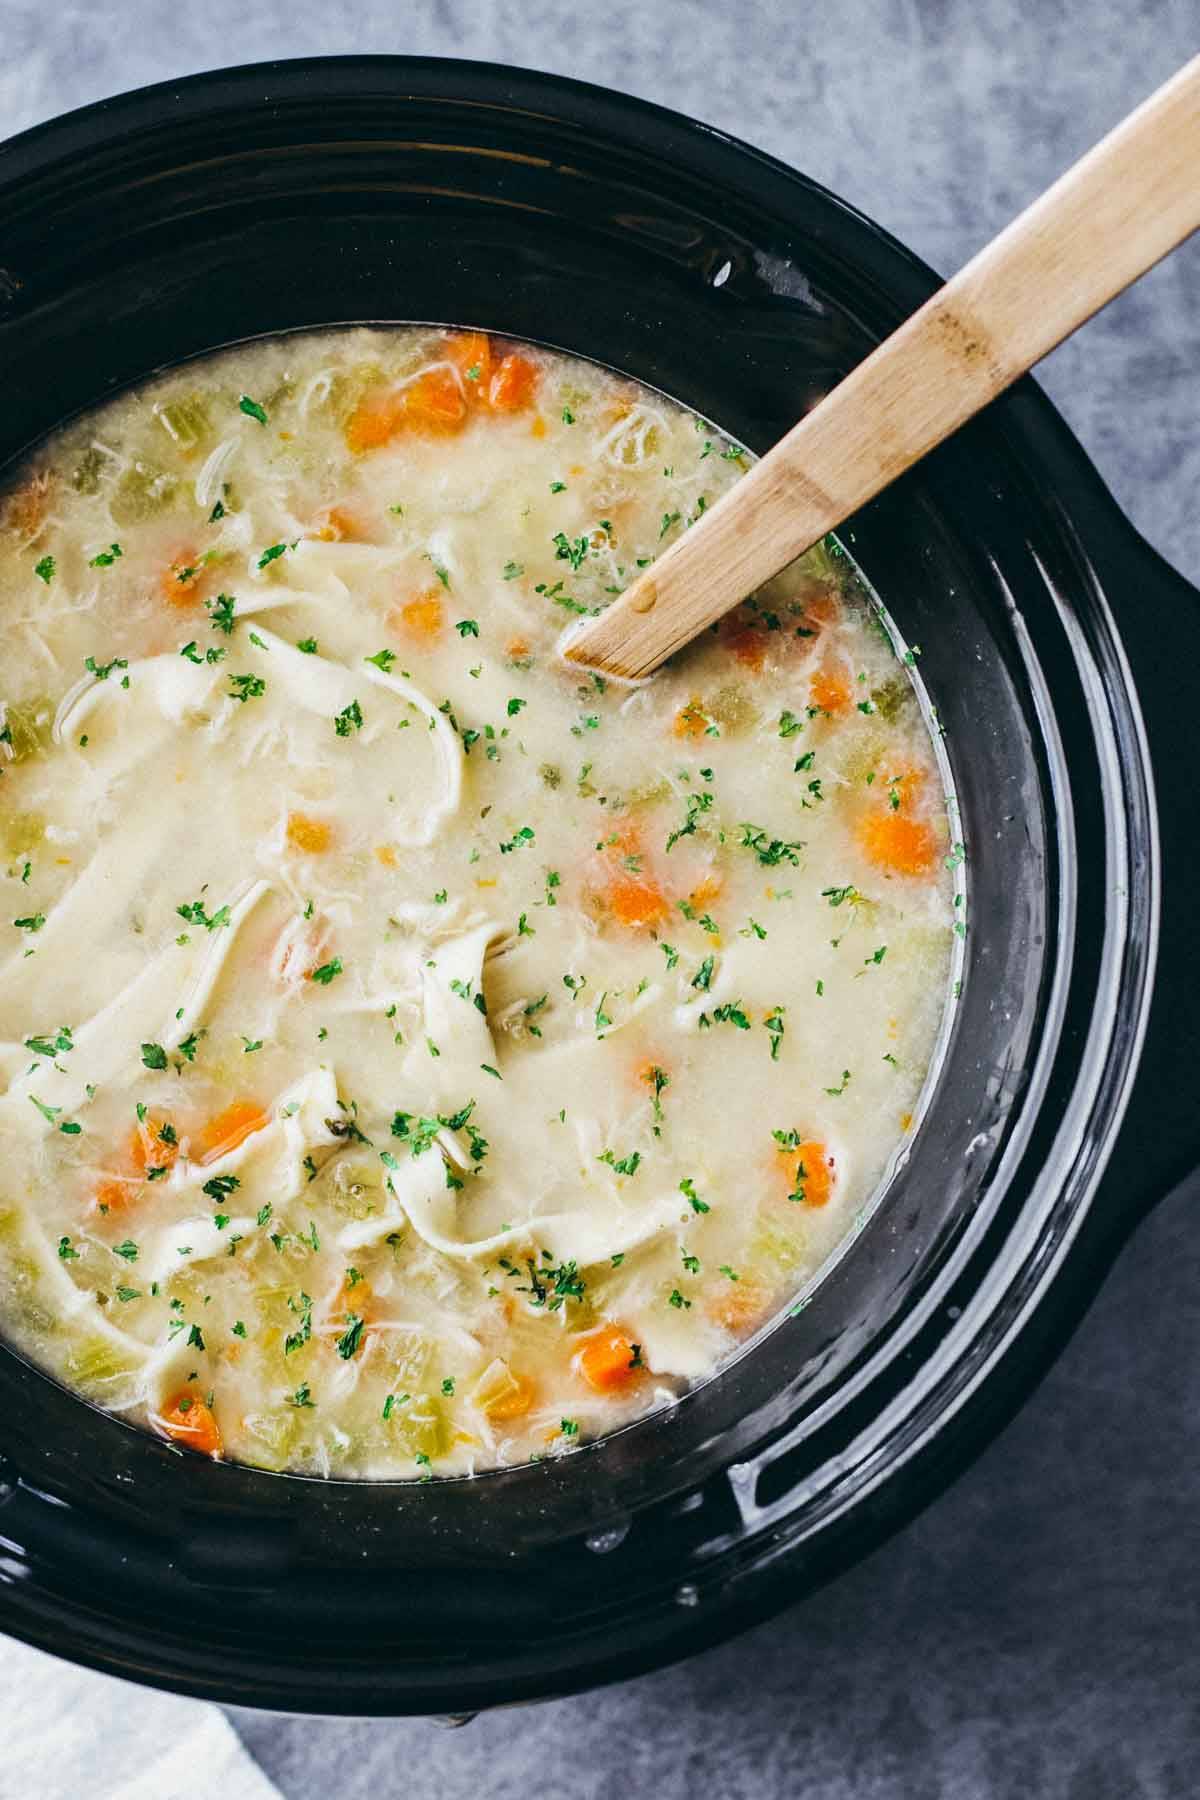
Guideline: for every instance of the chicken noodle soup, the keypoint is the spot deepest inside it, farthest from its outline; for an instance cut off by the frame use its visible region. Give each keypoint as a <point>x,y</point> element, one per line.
<point>418,1056</point>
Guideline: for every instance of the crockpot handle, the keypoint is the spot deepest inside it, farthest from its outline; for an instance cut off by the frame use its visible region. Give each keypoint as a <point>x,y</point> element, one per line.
<point>1158,616</point>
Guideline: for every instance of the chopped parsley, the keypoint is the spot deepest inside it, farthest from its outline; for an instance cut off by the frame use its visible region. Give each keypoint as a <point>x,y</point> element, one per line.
<point>252,409</point>
<point>349,719</point>
<point>624,1165</point>
<point>221,613</point>
<point>770,851</point>
<point>102,671</point>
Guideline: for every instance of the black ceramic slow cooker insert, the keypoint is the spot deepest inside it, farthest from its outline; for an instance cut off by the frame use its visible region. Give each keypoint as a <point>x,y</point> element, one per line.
<point>170,222</point>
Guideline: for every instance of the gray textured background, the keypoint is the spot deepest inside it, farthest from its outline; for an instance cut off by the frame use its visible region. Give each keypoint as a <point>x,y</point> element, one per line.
<point>1034,1634</point>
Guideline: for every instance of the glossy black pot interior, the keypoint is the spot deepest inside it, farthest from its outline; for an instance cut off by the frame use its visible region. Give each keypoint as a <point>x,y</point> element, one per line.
<point>151,228</point>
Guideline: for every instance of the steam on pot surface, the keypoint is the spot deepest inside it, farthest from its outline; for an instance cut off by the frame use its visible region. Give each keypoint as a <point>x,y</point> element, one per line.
<point>417,1057</point>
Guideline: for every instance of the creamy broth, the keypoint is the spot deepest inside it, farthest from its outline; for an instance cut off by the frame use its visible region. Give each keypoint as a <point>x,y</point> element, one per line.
<point>416,1056</point>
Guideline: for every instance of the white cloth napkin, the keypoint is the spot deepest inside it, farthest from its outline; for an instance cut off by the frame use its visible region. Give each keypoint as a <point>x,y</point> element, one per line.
<point>70,1734</point>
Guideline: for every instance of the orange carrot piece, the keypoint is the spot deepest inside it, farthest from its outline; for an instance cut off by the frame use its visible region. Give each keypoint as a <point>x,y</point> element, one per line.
<point>351,1297</point>
<point>25,508</point>
<point>471,354</point>
<point>180,580</point>
<point>336,524</point>
<point>231,1127</point>
<point>148,1147</point>
<point>810,1172</point>
<point>737,1306</point>
<point>747,642</point>
<point>538,427</point>
<point>386,854</point>
<point>516,649</point>
<point>898,844</point>
<point>373,421</point>
<point>691,720</point>
<point>706,890</point>
<point>515,1403</point>
<point>513,385</point>
<point>636,903</point>
<point>631,895</point>
<point>829,690</point>
<point>115,1193</point>
<point>188,1420</point>
<point>313,836</point>
<point>607,1359</point>
<point>422,616</point>
<point>821,610</point>
<point>433,404</point>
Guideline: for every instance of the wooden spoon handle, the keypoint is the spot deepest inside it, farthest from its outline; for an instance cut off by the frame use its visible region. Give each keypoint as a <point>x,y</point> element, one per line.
<point>1105,222</point>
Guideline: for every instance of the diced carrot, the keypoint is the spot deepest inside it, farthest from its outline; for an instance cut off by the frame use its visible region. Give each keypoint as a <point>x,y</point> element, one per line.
<point>810,1172</point>
<point>149,1147</point>
<point>115,1193</point>
<point>747,640</point>
<point>706,890</point>
<point>635,902</point>
<point>897,843</point>
<point>422,617</point>
<point>737,1306</point>
<point>513,384</point>
<point>336,524</point>
<point>651,1071</point>
<point>631,895</point>
<point>691,720</point>
<point>433,404</point>
<point>538,428</point>
<point>180,580</point>
<point>904,788</point>
<point>313,836</point>
<point>386,854</point>
<point>607,1359</point>
<point>821,610</point>
<point>189,1420</point>
<point>351,1297</point>
<point>516,650</point>
<point>231,1127</point>
<point>373,421</point>
<point>515,1402</point>
<point>830,690</point>
<point>25,508</point>
<point>471,354</point>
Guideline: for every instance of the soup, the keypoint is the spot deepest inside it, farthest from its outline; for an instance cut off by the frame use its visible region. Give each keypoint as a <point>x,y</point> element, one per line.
<point>418,1056</point>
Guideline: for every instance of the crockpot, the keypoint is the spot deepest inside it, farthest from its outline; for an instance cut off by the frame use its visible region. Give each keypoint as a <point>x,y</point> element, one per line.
<point>1055,646</point>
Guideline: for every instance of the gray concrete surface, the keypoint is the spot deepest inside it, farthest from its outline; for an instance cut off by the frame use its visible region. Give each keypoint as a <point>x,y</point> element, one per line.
<point>1035,1634</point>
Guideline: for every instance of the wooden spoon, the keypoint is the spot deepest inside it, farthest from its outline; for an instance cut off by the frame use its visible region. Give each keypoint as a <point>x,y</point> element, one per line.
<point>1104,223</point>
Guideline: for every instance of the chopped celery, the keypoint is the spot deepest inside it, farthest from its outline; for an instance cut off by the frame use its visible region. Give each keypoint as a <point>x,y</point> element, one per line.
<point>733,709</point>
<point>186,420</point>
<point>142,492</point>
<point>85,478</point>
<point>28,725</point>
<point>890,699</point>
